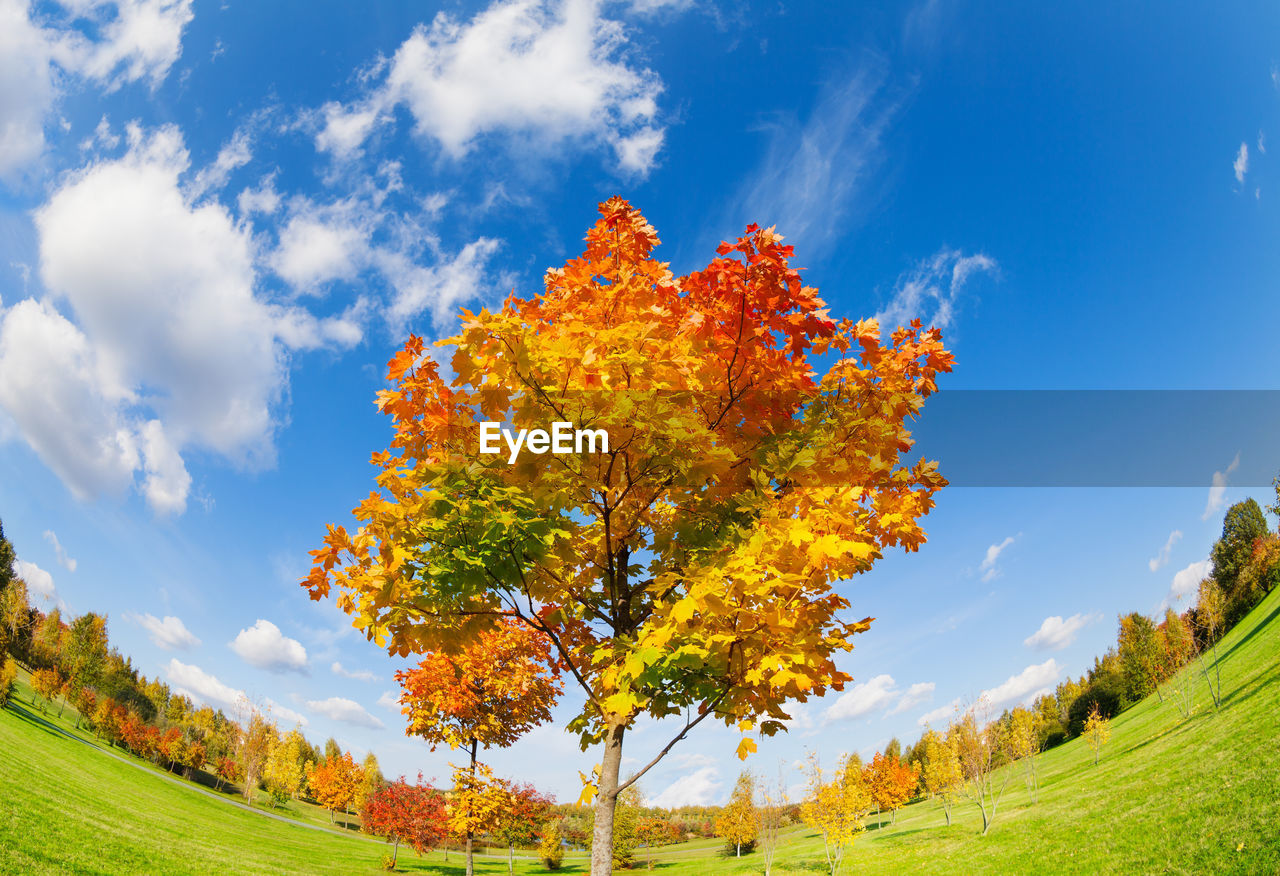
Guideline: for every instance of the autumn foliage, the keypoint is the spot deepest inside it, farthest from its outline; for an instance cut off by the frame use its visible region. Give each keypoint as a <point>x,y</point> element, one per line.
<point>334,783</point>
<point>403,813</point>
<point>747,481</point>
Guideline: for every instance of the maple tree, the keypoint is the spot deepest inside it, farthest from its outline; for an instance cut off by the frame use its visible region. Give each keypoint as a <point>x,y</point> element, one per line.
<point>668,582</point>
<point>890,782</point>
<point>836,808</point>
<point>334,783</point>
<point>400,812</point>
<point>491,691</point>
<point>522,812</point>
<point>737,821</point>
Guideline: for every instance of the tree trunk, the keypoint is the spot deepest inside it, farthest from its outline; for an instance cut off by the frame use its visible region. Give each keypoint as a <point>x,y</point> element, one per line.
<point>511,859</point>
<point>606,802</point>
<point>471,866</point>
<point>739,847</point>
<point>395,852</point>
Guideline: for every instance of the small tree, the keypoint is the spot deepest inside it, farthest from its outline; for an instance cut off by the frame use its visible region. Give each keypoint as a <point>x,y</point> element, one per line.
<point>1097,730</point>
<point>771,813</point>
<point>8,678</point>
<point>227,770</point>
<point>522,812</point>
<point>942,775</point>
<point>551,849</point>
<point>978,743</point>
<point>284,771</point>
<point>835,809</point>
<point>413,814</point>
<point>737,821</point>
<point>47,683</point>
<point>335,782</point>
<point>890,782</point>
<point>1023,743</point>
<point>255,745</point>
<point>1210,617</point>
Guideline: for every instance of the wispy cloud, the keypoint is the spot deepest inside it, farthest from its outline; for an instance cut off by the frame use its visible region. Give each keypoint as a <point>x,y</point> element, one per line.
<point>359,674</point>
<point>1218,491</point>
<point>345,710</point>
<point>814,171</point>
<point>990,571</point>
<point>64,561</point>
<point>1241,164</point>
<point>1162,558</point>
<point>931,290</point>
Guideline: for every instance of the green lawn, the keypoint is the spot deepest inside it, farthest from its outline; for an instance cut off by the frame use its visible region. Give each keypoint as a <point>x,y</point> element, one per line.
<point>1170,795</point>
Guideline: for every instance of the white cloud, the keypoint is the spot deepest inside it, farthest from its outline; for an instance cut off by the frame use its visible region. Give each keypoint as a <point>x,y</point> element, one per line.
<point>914,696</point>
<point>698,788</point>
<point>1241,164</point>
<point>131,40</point>
<point>1161,559</point>
<point>1186,582</point>
<point>989,569</point>
<point>390,699</point>
<point>1020,687</point>
<point>544,72</point>
<point>283,714</point>
<point>931,290</point>
<point>234,155</point>
<point>812,174</point>
<point>171,349</point>
<point>944,712</point>
<point>692,760</point>
<point>64,561</point>
<point>1055,633</point>
<point>39,582</point>
<point>194,682</point>
<point>863,699</point>
<point>312,253</point>
<point>1262,143</point>
<point>264,646</point>
<point>346,711</point>
<point>169,634</point>
<point>361,675</point>
<point>1218,491</point>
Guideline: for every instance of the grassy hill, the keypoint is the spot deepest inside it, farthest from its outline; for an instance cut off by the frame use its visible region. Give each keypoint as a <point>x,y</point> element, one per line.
<point>1200,795</point>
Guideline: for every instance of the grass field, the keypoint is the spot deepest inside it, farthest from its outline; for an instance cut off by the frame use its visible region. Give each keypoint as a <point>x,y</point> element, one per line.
<point>1169,796</point>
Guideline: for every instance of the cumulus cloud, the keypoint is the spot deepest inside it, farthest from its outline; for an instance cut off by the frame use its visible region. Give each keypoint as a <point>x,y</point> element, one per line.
<point>989,569</point>
<point>1241,165</point>
<point>283,713</point>
<point>1186,582</point>
<point>126,41</point>
<point>264,646</point>
<point>39,582</point>
<point>64,561</point>
<point>1055,633</point>
<point>914,696</point>
<point>169,634</point>
<point>863,699</point>
<point>544,72</point>
<point>346,711</point>
<point>191,681</point>
<point>698,788</point>
<point>361,675</point>
<point>1029,682</point>
<point>171,348</point>
<point>1161,559</point>
<point>1218,490</point>
<point>931,290</point>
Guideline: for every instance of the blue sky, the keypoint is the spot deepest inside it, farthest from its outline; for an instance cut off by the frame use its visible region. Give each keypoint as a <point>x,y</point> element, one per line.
<point>218,221</point>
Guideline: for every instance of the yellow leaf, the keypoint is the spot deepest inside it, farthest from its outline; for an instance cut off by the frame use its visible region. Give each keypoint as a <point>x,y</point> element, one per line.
<point>746,747</point>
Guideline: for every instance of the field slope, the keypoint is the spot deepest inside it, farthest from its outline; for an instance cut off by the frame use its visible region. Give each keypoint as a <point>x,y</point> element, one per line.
<point>1170,795</point>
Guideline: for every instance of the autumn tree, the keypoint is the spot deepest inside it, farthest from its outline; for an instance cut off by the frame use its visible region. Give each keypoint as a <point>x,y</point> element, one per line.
<point>978,742</point>
<point>1141,656</point>
<point>1179,647</point>
<point>490,691</point>
<point>47,639</point>
<point>334,783</point>
<point>835,808</point>
<point>520,817</point>
<point>371,781</point>
<point>736,823</point>
<point>403,813</point>
<point>85,651</point>
<point>1097,730</point>
<point>8,678</point>
<point>1022,743</point>
<point>254,748</point>
<point>771,815</point>
<point>551,847</point>
<point>668,581</point>
<point>1210,614</point>
<point>15,618</point>
<point>890,782</point>
<point>941,770</point>
<point>47,683</point>
<point>284,770</point>
<point>227,770</point>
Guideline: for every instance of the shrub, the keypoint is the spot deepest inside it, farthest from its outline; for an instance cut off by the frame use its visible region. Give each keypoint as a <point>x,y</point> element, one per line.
<point>388,862</point>
<point>551,851</point>
<point>8,677</point>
